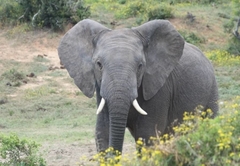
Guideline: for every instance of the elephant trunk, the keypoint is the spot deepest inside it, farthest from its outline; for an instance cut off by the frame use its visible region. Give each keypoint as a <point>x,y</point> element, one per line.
<point>118,90</point>
<point>118,119</point>
<point>118,96</point>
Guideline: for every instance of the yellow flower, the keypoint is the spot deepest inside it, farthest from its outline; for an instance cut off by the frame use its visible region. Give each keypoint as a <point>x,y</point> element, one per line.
<point>156,162</point>
<point>144,150</point>
<point>139,142</point>
<point>165,136</point>
<point>220,145</point>
<point>203,113</point>
<point>144,158</point>
<point>232,154</point>
<point>228,161</point>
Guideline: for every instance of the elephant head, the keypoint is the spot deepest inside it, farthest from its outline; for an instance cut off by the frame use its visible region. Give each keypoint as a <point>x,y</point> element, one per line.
<point>119,62</point>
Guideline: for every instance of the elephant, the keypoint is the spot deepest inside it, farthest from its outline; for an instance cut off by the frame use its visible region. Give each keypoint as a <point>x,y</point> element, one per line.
<point>145,77</point>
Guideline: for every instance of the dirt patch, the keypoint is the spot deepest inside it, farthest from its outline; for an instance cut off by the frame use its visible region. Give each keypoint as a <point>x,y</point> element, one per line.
<point>59,154</point>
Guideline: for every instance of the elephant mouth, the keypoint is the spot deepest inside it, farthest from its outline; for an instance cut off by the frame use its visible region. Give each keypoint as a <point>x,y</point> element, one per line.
<point>134,103</point>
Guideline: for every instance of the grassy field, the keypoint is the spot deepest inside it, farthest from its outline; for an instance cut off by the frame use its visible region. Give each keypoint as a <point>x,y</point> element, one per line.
<point>48,107</point>
<point>42,102</point>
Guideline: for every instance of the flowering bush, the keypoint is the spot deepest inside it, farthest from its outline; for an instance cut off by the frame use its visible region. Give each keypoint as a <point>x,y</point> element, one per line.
<point>198,140</point>
<point>110,157</point>
<point>220,57</point>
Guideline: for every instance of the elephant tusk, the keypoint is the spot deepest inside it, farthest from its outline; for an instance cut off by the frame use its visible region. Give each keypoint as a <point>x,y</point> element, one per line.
<point>101,105</point>
<point>138,108</point>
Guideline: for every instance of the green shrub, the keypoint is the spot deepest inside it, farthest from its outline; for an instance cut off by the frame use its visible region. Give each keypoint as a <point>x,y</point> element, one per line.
<point>160,11</point>
<point>44,13</point>
<point>55,14</point>
<point>16,152</point>
<point>29,8</point>
<point>192,38</point>
<point>144,10</point>
<point>200,1</point>
<point>134,8</point>
<point>234,46</point>
<point>122,1</point>
<point>231,26</point>
<point>236,7</point>
<point>14,76</point>
<point>10,12</point>
<point>228,26</point>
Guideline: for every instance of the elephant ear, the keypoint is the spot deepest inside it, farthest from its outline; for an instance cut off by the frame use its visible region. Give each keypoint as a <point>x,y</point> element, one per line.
<point>75,53</point>
<point>163,51</point>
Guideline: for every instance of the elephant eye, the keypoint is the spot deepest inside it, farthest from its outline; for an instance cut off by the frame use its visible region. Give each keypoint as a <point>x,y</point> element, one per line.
<point>140,67</point>
<point>99,65</point>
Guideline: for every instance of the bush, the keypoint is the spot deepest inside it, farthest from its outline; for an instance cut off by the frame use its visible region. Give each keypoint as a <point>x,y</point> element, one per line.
<point>160,11</point>
<point>55,14</point>
<point>16,152</point>
<point>198,140</point>
<point>144,10</point>
<point>220,57</point>
<point>192,38</point>
<point>10,11</point>
<point>122,1</point>
<point>133,8</point>
<point>45,13</point>
<point>15,77</point>
<point>231,27</point>
<point>29,8</point>
<point>234,46</point>
<point>207,141</point>
<point>228,26</point>
<point>200,1</point>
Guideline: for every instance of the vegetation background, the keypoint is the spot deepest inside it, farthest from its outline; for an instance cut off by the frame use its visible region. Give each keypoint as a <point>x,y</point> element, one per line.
<point>39,103</point>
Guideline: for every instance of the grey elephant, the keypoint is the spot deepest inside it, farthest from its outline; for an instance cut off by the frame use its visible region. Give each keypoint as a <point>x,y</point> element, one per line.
<point>145,77</point>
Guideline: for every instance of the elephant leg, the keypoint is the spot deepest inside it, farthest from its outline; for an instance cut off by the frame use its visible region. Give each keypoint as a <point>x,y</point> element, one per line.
<point>102,126</point>
<point>102,131</point>
<point>156,122</point>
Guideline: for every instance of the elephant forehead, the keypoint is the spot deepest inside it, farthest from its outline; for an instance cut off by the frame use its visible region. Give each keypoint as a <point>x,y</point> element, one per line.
<point>119,54</point>
<point>120,38</point>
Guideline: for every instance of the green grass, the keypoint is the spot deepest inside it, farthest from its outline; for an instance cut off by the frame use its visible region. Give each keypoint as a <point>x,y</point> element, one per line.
<point>228,82</point>
<point>44,112</point>
<point>44,109</point>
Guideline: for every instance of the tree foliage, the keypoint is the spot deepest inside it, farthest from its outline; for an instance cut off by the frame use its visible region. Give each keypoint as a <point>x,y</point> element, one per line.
<point>44,13</point>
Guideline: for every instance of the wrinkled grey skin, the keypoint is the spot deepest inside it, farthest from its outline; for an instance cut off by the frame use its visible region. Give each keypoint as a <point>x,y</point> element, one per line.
<point>151,63</point>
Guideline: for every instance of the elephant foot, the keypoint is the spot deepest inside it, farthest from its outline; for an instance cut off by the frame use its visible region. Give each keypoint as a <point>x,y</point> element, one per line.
<point>109,156</point>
